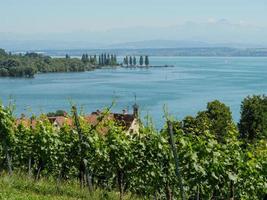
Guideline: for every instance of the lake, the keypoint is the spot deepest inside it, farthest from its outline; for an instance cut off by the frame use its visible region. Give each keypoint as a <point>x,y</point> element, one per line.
<point>185,89</point>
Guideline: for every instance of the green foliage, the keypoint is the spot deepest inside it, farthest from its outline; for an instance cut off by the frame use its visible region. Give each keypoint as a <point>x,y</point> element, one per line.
<point>3,53</point>
<point>126,61</point>
<point>221,119</point>
<point>146,61</point>
<point>141,61</point>
<point>57,113</point>
<point>212,163</point>
<point>253,121</point>
<point>134,60</point>
<point>131,61</point>
<point>7,130</point>
<point>217,119</point>
<point>31,63</point>
<point>105,60</point>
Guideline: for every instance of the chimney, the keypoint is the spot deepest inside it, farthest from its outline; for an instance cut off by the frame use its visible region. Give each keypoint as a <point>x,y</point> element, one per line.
<point>135,110</point>
<point>65,114</point>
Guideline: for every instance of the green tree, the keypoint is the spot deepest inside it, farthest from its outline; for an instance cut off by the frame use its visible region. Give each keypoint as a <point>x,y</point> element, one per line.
<point>131,61</point>
<point>253,121</point>
<point>115,59</point>
<point>29,72</point>
<point>217,119</point>
<point>108,60</point>
<point>3,53</point>
<point>146,61</point>
<point>7,134</point>
<point>4,72</point>
<point>141,61</point>
<point>57,113</point>
<point>126,61</point>
<point>221,119</point>
<point>85,58</point>
<point>134,61</point>
<point>105,59</point>
<point>99,60</point>
<point>95,60</point>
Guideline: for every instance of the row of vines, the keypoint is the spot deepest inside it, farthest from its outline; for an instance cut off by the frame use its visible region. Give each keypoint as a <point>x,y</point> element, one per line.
<point>211,165</point>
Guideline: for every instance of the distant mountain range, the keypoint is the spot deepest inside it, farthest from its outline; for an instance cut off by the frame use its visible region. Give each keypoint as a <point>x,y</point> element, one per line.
<point>178,44</point>
<point>39,45</point>
<point>160,44</point>
<point>189,34</point>
<point>195,51</point>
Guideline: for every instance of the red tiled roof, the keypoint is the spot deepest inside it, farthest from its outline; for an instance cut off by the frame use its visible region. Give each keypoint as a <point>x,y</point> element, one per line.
<point>26,122</point>
<point>124,120</point>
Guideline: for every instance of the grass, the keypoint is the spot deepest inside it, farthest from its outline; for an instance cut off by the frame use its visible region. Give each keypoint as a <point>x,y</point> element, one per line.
<point>18,187</point>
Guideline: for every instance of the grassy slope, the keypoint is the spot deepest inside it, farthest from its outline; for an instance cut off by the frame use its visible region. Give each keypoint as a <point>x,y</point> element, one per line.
<point>20,187</point>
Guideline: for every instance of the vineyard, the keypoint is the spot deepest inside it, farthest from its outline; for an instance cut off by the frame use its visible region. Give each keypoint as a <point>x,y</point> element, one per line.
<point>202,157</point>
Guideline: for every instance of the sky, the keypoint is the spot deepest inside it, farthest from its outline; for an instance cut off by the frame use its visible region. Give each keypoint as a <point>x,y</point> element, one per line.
<point>70,19</point>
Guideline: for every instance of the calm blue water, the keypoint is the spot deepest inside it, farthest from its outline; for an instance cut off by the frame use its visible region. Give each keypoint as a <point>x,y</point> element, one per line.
<point>185,88</point>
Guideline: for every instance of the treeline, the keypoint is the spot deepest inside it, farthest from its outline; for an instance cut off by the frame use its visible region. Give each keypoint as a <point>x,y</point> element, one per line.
<point>131,61</point>
<point>216,158</point>
<point>107,60</point>
<point>27,65</point>
<point>102,60</point>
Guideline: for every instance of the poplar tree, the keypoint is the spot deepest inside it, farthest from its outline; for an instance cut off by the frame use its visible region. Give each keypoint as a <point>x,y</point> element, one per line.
<point>131,61</point>
<point>134,61</point>
<point>127,60</point>
<point>99,60</point>
<point>105,59</point>
<point>141,61</point>
<point>115,59</point>
<point>95,60</point>
<point>67,56</point>
<point>146,61</point>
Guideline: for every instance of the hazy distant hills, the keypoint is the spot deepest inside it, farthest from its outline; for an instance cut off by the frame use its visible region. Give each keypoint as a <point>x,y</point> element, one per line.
<point>146,47</point>
<point>179,44</point>
<point>33,45</point>
<point>200,51</point>
<point>37,45</point>
<point>191,34</point>
<point>161,44</point>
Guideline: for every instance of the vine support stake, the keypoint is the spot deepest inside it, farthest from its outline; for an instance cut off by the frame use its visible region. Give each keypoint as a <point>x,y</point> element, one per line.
<point>9,163</point>
<point>176,160</point>
<point>80,150</point>
<point>232,191</point>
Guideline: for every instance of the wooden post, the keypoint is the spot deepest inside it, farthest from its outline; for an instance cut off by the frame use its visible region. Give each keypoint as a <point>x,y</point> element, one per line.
<point>168,192</point>
<point>197,197</point>
<point>88,177</point>
<point>29,166</point>
<point>176,160</point>
<point>121,183</point>
<point>81,166</point>
<point>8,158</point>
<point>232,194</point>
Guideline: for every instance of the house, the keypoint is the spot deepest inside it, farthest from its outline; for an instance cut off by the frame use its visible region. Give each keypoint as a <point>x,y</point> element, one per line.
<point>129,122</point>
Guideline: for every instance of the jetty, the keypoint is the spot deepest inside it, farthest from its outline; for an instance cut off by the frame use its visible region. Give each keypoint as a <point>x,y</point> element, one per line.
<point>144,66</point>
<point>131,62</point>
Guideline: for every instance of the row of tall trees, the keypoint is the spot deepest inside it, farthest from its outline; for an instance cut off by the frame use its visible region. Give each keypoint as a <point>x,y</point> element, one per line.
<point>107,60</point>
<point>201,157</point>
<point>103,59</point>
<point>131,61</point>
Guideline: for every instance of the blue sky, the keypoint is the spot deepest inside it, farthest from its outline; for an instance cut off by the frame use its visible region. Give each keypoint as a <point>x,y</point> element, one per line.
<point>76,16</point>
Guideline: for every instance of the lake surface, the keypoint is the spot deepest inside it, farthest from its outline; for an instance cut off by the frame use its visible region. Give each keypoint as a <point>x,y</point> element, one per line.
<point>185,89</point>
